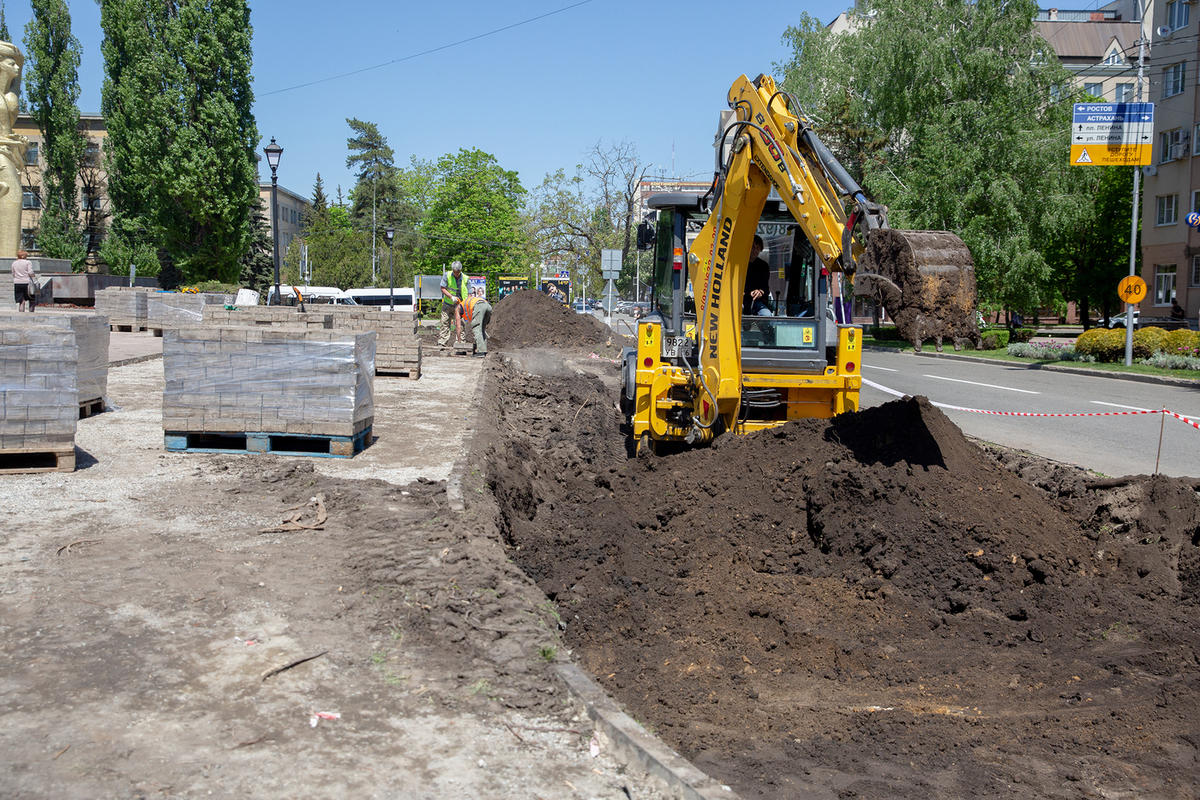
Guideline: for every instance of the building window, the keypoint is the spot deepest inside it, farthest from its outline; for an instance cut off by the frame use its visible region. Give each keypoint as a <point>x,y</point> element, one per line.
<point>88,201</point>
<point>1124,93</point>
<point>29,238</point>
<point>31,197</point>
<point>1114,57</point>
<point>1172,145</point>
<point>1174,79</point>
<point>31,154</point>
<point>1094,89</point>
<point>1164,284</point>
<point>1168,211</point>
<point>1195,270</point>
<point>1177,15</point>
<point>91,154</point>
<point>1196,200</point>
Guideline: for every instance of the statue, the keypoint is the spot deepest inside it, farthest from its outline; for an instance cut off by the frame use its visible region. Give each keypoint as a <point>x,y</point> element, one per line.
<point>12,150</point>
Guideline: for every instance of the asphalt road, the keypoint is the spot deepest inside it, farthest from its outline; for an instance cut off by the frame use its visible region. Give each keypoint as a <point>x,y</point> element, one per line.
<point>1113,444</point>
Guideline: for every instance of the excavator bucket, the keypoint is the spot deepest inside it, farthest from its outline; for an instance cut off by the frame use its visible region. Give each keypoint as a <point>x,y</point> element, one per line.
<point>926,280</point>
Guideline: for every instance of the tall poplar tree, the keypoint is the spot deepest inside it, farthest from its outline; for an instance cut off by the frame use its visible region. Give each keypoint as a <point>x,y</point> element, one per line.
<point>52,88</point>
<point>182,136</point>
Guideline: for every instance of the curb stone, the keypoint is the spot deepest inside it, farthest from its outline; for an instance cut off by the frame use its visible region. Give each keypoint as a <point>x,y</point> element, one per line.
<point>634,744</point>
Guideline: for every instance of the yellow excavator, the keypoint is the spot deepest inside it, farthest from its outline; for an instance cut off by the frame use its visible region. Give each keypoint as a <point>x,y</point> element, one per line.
<point>701,367</point>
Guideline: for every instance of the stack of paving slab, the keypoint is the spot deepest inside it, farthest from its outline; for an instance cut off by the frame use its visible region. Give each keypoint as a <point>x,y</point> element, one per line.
<point>280,389</point>
<point>271,316</point>
<point>399,350</point>
<point>125,306</point>
<point>92,336</point>
<point>39,397</point>
<point>175,309</point>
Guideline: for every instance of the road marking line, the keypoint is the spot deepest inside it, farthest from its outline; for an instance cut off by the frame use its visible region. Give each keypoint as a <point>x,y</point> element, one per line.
<point>988,385</point>
<point>885,369</point>
<point>1118,405</point>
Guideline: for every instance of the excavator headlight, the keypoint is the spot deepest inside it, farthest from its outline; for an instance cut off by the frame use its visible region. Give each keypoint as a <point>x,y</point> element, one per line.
<point>677,261</point>
<point>850,335</point>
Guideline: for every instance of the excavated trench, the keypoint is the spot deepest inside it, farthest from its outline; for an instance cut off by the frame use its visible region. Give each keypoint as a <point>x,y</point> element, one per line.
<point>872,606</point>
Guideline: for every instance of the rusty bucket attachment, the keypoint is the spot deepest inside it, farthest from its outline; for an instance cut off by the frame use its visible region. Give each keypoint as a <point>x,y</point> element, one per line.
<point>926,280</point>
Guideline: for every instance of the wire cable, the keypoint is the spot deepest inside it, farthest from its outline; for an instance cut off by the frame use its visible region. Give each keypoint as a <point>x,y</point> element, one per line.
<point>437,49</point>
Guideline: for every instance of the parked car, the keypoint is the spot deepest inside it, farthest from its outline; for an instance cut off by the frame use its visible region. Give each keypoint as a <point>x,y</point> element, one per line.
<point>580,307</point>
<point>1118,320</point>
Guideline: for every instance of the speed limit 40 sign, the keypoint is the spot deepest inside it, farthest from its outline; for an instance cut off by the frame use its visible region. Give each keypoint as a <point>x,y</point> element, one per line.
<point>1132,289</point>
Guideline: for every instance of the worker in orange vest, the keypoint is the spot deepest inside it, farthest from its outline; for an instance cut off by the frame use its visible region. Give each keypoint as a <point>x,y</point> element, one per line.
<point>477,312</point>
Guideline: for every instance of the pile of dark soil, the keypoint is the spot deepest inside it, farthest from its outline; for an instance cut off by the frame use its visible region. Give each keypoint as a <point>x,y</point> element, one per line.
<point>864,607</point>
<point>530,318</point>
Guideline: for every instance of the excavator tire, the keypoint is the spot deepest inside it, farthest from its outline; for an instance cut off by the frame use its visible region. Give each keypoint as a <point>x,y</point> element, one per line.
<point>929,287</point>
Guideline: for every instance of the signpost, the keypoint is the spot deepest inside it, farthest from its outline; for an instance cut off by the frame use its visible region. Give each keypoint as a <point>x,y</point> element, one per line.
<point>1106,134</point>
<point>1121,134</point>
<point>610,270</point>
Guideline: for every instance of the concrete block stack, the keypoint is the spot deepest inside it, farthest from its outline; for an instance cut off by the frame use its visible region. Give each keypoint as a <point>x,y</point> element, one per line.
<point>92,336</point>
<point>297,381</point>
<point>272,316</point>
<point>174,309</point>
<point>398,350</point>
<point>39,408</point>
<point>125,306</point>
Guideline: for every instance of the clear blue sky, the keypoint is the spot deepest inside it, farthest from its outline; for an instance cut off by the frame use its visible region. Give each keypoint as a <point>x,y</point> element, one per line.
<point>537,95</point>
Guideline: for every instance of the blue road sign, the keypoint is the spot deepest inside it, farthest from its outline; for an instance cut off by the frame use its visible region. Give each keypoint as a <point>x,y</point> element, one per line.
<point>1113,113</point>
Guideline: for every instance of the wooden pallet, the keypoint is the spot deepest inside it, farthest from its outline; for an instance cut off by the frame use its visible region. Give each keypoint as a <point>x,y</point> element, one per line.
<point>399,372</point>
<point>89,408</point>
<point>120,327</point>
<point>285,444</point>
<point>35,459</point>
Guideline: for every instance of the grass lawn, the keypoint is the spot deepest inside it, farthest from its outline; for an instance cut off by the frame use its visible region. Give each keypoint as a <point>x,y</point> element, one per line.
<point>1002,355</point>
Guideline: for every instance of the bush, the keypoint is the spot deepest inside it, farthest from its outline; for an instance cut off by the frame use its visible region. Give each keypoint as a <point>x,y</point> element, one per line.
<point>1047,351</point>
<point>217,286</point>
<point>1021,334</point>
<point>1182,343</point>
<point>1102,344</point>
<point>995,338</point>
<point>1148,341</point>
<point>1171,361</point>
<point>886,334</point>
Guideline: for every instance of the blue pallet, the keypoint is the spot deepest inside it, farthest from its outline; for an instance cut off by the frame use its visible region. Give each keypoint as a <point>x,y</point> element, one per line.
<point>283,444</point>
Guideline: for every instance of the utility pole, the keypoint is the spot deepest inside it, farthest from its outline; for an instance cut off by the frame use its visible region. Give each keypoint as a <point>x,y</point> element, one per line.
<point>1137,195</point>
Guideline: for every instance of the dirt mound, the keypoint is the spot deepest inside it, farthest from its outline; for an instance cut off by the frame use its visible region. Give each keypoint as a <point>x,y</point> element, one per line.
<point>868,606</point>
<point>530,318</point>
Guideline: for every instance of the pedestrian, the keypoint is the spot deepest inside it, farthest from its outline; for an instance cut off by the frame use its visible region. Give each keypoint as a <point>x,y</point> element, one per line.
<point>454,292</point>
<point>478,312</point>
<point>24,281</point>
<point>1177,311</point>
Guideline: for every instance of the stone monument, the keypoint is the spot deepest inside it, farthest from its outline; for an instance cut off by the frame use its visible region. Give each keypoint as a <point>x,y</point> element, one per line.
<point>12,150</point>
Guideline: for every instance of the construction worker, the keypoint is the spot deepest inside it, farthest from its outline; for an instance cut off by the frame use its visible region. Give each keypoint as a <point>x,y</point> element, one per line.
<point>478,312</point>
<point>454,293</point>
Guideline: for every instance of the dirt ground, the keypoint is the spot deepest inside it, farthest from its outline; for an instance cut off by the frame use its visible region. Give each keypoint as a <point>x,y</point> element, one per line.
<point>870,607</point>
<point>143,607</point>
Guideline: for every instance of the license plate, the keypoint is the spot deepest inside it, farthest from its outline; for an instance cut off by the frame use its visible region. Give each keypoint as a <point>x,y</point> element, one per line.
<point>677,347</point>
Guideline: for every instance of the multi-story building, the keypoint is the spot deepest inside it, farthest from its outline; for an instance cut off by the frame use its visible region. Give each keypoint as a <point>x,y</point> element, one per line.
<point>92,182</point>
<point>289,215</point>
<point>1171,248</point>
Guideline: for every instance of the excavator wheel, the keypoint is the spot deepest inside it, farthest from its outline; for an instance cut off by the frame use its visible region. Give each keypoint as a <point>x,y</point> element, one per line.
<point>926,280</point>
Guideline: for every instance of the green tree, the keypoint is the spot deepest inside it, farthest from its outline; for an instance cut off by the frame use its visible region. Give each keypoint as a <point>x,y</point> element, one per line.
<point>967,136</point>
<point>375,162</point>
<point>258,264</point>
<point>339,253</point>
<point>320,203</point>
<point>475,217</point>
<point>179,153</point>
<point>52,86</point>
<point>4,34</point>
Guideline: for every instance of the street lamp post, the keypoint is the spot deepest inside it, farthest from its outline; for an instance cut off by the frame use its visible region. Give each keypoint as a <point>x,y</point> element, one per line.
<point>273,152</point>
<point>389,233</point>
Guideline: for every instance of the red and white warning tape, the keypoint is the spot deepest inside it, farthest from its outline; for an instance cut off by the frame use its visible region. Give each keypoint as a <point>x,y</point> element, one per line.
<point>1186,420</point>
